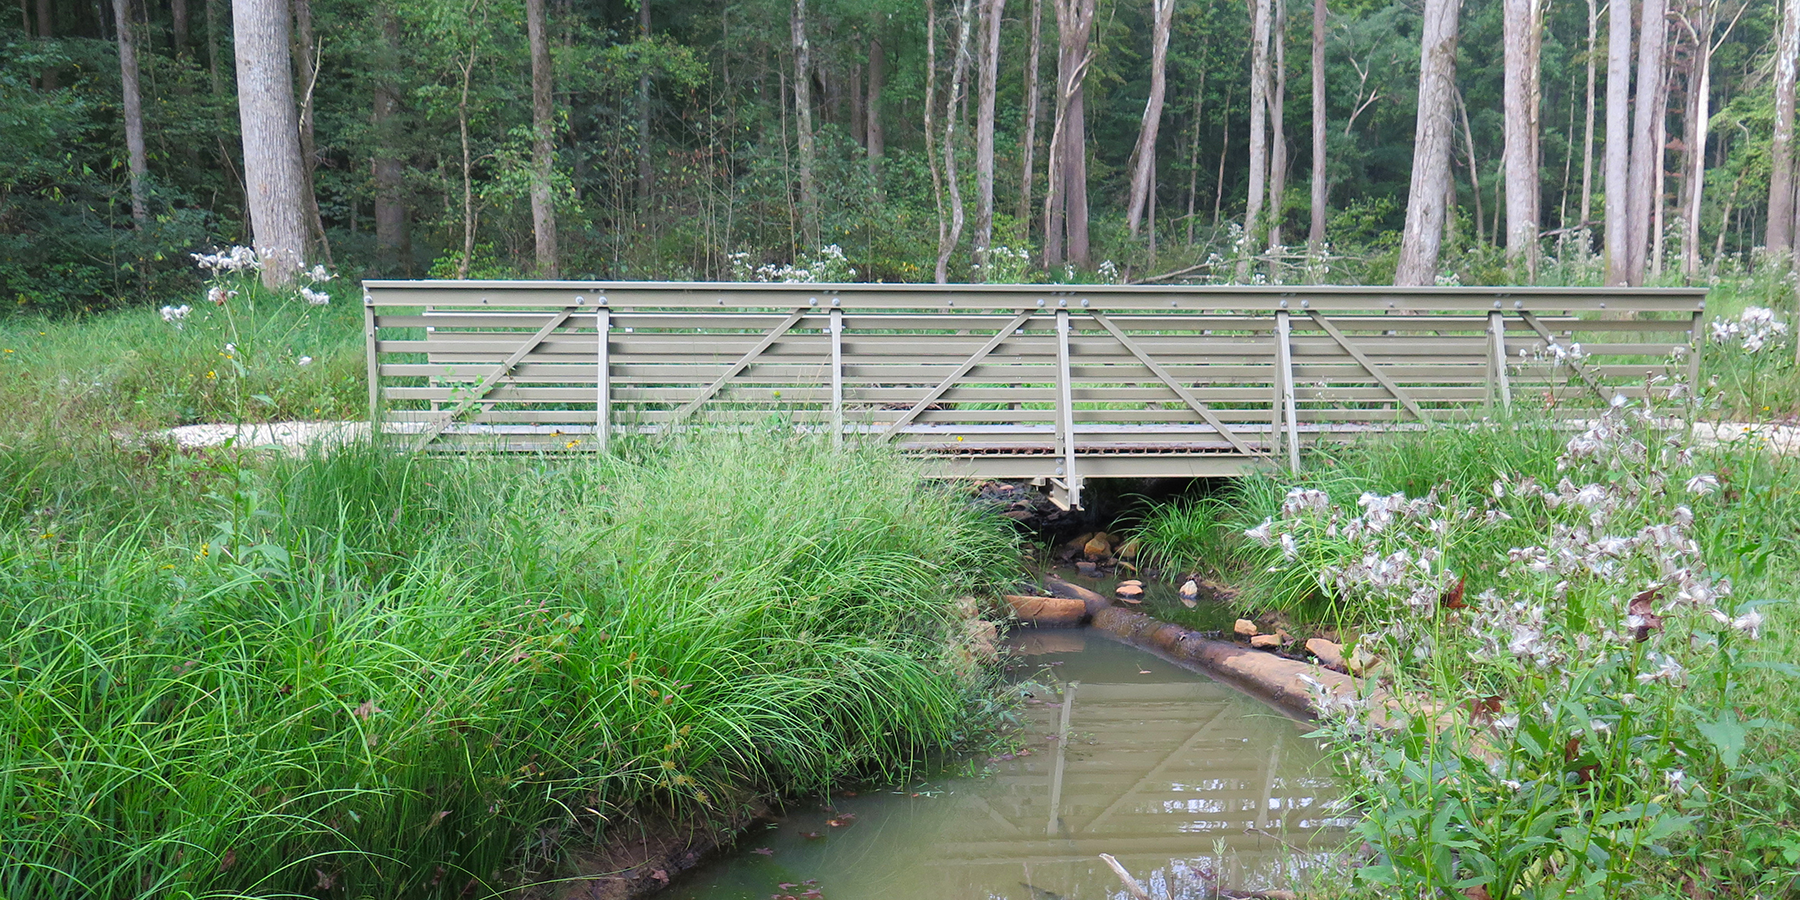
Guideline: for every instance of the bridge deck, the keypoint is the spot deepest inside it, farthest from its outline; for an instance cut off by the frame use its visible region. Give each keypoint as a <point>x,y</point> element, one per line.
<point>1054,382</point>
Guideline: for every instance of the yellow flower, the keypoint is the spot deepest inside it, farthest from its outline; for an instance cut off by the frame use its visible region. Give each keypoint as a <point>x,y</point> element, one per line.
<point>571,445</point>
<point>668,764</point>
<point>211,374</point>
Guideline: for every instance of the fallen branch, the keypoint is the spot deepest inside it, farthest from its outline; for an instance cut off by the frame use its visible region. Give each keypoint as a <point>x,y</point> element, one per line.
<point>1131,884</point>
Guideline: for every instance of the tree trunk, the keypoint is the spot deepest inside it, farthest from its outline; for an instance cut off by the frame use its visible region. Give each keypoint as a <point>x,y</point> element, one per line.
<point>984,130</point>
<point>1066,207</point>
<point>1194,157</point>
<point>1779,237</point>
<point>1259,147</point>
<point>468,162</point>
<point>931,162</point>
<point>1618,141</point>
<point>178,27</point>
<point>1278,155</point>
<point>274,179</point>
<point>1660,167</point>
<point>877,138</point>
<point>1523,31</point>
<point>309,152</point>
<point>1315,235</point>
<point>1587,135</point>
<point>213,29</point>
<point>959,71</point>
<point>809,195</point>
<point>543,142</point>
<point>1643,204</point>
<point>1701,32</point>
<point>1032,100</point>
<point>46,29</point>
<point>1144,154</point>
<point>1224,151</point>
<point>393,240</point>
<point>646,172</point>
<point>138,162</point>
<point>1423,236</point>
<point>1462,108</point>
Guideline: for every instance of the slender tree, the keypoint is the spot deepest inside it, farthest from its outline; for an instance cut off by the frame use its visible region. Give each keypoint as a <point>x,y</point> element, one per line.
<point>133,107</point>
<point>646,173</point>
<point>809,194</point>
<point>873,133</point>
<point>274,180</point>
<point>1422,238</point>
<point>304,50</point>
<point>984,129</point>
<point>1259,136</point>
<point>1646,150</point>
<point>46,29</point>
<point>543,137</point>
<point>1315,235</point>
<point>1618,141</point>
<point>959,71</point>
<point>1779,235</point>
<point>393,237</point>
<point>1587,134</point>
<point>1278,151</point>
<point>1523,29</point>
<point>1143,156</point>
<point>1033,98</point>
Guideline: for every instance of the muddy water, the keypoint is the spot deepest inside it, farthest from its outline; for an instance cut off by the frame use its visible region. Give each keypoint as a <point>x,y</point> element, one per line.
<point>1192,785</point>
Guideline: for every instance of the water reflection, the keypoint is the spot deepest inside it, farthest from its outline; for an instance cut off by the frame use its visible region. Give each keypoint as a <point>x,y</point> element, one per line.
<point>1192,786</point>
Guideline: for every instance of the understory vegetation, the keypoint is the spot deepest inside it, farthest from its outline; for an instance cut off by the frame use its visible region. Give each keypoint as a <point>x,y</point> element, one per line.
<point>1588,634</point>
<point>370,674</point>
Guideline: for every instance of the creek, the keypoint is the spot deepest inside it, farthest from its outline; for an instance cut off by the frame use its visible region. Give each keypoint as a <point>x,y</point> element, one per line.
<point>1192,785</point>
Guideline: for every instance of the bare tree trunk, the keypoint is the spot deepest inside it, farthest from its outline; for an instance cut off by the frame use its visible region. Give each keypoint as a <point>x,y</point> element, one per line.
<point>1587,135</point>
<point>1194,157</point>
<point>543,143</point>
<point>1068,152</point>
<point>877,138</point>
<point>1701,33</point>
<point>1474,167</point>
<point>1259,147</point>
<point>1278,154</point>
<point>984,130</point>
<point>959,71</point>
<point>1422,238</point>
<point>1032,100</point>
<point>178,27</point>
<point>1224,151</point>
<point>274,179</point>
<point>1315,235</point>
<point>1144,155</point>
<point>468,162</point>
<point>809,194</point>
<point>309,152</point>
<point>137,161</point>
<point>1779,237</point>
<point>1523,28</point>
<point>1658,194</point>
<point>213,29</point>
<point>646,172</point>
<point>393,240</point>
<point>931,163</point>
<point>1645,153</point>
<point>46,29</point>
<point>1618,141</point>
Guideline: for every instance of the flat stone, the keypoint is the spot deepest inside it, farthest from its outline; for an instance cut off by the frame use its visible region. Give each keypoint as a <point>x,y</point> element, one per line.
<point>1244,628</point>
<point>1330,654</point>
<point>1266,641</point>
<point>1087,569</point>
<point>1131,593</point>
<point>1047,611</point>
<point>1092,599</point>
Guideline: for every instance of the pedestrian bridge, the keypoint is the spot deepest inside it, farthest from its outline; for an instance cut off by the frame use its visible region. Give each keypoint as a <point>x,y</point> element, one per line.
<point>1055,383</point>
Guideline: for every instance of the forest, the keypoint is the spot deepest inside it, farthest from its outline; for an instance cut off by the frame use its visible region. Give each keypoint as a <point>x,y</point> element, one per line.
<point>1358,141</point>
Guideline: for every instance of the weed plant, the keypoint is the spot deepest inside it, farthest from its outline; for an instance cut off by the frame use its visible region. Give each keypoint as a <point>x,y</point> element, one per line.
<point>370,674</point>
<point>1590,636</point>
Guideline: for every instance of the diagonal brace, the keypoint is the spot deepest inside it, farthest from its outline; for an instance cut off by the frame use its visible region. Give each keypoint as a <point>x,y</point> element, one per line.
<point>487,383</point>
<point>1550,340</point>
<point>1369,366</point>
<point>1201,409</point>
<point>951,379</point>
<point>737,368</point>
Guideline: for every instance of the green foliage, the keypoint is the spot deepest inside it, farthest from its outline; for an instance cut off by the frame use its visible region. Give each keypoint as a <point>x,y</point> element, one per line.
<point>373,674</point>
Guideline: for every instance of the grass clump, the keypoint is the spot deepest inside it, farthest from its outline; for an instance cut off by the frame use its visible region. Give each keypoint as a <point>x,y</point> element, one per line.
<point>367,674</point>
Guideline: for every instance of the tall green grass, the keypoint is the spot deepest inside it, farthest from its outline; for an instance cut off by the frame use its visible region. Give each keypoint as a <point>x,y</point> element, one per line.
<point>366,674</point>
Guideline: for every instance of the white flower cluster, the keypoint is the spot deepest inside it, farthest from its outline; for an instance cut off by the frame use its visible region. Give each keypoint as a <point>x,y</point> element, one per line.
<point>315,298</point>
<point>176,315</point>
<point>830,265</point>
<point>237,259</point>
<point>1755,328</point>
<point>1109,272</point>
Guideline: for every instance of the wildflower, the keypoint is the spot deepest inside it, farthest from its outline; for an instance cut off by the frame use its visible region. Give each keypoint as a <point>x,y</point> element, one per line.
<point>176,315</point>
<point>1676,780</point>
<point>1590,496</point>
<point>1749,623</point>
<point>1260,533</point>
<point>1513,786</point>
<point>237,259</point>
<point>1667,669</point>
<point>319,274</point>
<point>219,295</point>
<point>1288,549</point>
<point>1703,484</point>
<point>303,361</point>
<point>316,298</point>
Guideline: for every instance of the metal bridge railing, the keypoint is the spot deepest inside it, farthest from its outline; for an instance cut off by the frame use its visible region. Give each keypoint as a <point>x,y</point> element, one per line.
<point>1053,382</point>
